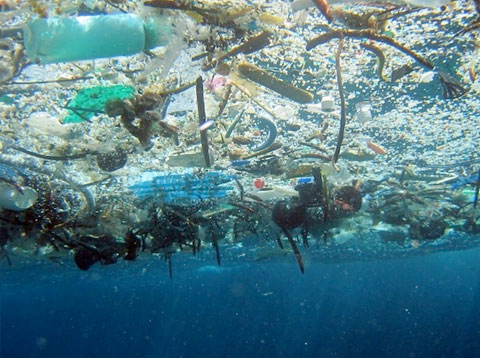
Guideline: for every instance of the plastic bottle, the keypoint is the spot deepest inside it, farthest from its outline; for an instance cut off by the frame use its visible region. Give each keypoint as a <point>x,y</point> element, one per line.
<point>12,199</point>
<point>63,39</point>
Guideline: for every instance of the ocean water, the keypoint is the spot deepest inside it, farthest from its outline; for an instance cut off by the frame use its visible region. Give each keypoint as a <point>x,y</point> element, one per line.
<point>420,307</point>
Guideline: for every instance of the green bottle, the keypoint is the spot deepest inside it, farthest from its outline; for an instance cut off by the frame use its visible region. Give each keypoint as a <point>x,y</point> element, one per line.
<point>64,39</point>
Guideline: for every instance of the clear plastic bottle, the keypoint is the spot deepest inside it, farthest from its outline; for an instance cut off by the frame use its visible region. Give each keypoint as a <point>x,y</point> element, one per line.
<point>64,39</point>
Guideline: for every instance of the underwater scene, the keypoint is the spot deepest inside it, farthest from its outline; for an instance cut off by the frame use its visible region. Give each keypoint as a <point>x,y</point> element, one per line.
<point>239,178</point>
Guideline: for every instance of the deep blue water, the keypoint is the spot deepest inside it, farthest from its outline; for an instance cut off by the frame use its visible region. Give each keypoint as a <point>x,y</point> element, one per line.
<point>419,307</point>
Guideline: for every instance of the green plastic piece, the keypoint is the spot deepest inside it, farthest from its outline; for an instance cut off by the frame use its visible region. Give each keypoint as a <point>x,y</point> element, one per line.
<point>6,99</point>
<point>389,34</point>
<point>91,101</point>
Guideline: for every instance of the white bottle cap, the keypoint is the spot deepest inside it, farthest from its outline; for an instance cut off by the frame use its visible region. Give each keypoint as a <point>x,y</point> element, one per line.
<point>364,113</point>
<point>328,103</point>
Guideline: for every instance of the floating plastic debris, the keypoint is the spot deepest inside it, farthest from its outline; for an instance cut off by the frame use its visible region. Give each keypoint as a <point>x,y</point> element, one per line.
<point>304,180</point>
<point>91,101</point>
<point>285,141</point>
<point>13,195</point>
<point>464,180</point>
<point>259,183</point>
<point>205,125</point>
<point>187,187</point>
<point>327,103</point>
<point>12,198</point>
<point>364,112</point>
<point>64,39</point>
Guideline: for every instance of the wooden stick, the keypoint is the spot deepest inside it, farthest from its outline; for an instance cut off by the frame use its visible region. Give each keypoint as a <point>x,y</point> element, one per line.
<point>342,102</point>
<point>202,119</point>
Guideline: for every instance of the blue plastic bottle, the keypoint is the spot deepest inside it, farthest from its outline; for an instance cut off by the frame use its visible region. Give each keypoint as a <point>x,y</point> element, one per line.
<point>64,39</point>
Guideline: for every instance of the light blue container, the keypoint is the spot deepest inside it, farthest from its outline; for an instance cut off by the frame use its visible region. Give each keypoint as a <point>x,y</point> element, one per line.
<point>64,39</point>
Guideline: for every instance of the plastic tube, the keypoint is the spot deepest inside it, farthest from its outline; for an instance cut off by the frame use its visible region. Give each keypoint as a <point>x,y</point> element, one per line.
<point>64,39</point>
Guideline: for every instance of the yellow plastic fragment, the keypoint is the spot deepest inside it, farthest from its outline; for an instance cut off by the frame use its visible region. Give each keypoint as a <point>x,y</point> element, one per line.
<point>251,87</point>
<point>270,19</point>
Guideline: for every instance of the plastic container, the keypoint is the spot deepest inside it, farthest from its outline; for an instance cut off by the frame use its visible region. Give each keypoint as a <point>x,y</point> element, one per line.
<point>12,199</point>
<point>64,39</point>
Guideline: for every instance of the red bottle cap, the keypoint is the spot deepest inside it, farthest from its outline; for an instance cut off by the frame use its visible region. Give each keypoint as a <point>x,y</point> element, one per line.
<point>259,183</point>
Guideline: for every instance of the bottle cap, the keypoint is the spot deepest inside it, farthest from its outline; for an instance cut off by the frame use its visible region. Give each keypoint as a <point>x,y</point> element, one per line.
<point>328,103</point>
<point>259,183</point>
<point>364,113</point>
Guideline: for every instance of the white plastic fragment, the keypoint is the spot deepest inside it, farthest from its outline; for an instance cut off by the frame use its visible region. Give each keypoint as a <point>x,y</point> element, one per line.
<point>47,124</point>
<point>298,5</point>
<point>427,77</point>
<point>428,3</point>
<point>314,108</point>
